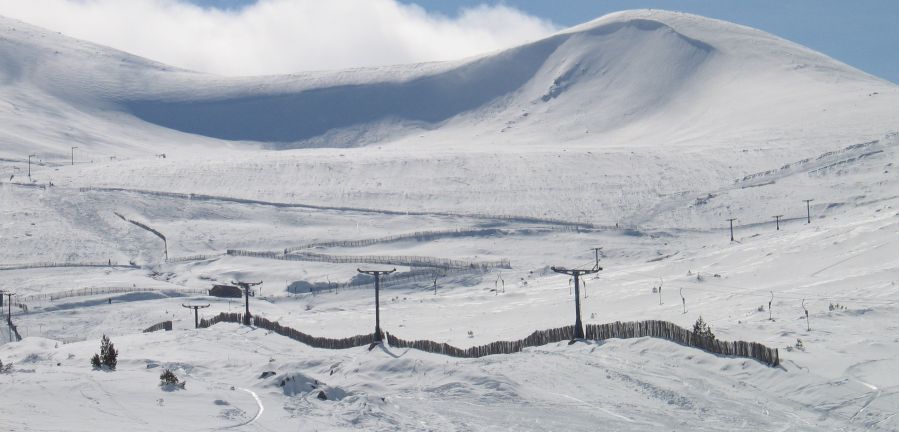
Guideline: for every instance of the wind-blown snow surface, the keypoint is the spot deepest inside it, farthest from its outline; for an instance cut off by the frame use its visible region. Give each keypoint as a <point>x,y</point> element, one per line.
<point>639,132</point>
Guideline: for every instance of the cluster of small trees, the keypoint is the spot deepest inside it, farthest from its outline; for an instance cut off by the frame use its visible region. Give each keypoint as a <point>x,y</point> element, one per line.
<point>108,356</point>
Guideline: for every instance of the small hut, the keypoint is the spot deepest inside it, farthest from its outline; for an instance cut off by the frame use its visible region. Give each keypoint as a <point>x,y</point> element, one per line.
<point>226,291</point>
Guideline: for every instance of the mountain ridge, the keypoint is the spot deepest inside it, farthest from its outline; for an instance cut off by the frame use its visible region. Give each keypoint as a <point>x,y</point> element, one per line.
<point>615,76</point>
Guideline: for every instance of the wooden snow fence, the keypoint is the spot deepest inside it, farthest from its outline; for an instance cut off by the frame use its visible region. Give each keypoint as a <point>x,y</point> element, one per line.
<point>674,333</point>
<point>142,226</point>
<point>617,330</point>
<point>165,325</point>
<point>315,342</point>
<point>15,331</point>
<point>222,317</point>
<point>537,338</point>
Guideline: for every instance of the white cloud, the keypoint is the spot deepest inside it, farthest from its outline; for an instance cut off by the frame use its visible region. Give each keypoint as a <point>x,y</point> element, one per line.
<point>282,36</point>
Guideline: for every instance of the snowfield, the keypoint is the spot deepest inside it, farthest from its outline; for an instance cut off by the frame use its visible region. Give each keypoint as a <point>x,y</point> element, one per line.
<point>641,132</point>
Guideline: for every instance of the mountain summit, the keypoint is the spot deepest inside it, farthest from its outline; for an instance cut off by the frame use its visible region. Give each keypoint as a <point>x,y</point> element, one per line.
<point>632,78</point>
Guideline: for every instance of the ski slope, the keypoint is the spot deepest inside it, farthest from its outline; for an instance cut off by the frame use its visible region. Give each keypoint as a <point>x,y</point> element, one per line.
<point>640,132</point>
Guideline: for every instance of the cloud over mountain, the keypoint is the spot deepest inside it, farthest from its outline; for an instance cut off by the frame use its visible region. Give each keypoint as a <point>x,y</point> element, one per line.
<point>282,36</point>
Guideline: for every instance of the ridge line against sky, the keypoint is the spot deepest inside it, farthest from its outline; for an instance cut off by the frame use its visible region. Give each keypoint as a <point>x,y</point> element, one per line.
<point>264,37</point>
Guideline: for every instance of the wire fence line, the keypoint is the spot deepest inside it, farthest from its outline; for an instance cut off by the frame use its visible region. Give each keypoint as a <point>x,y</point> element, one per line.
<point>90,291</point>
<point>141,225</point>
<point>199,257</point>
<point>417,236</point>
<point>558,223</point>
<point>410,276</point>
<point>408,260</point>
<point>38,265</point>
<point>413,276</point>
<point>826,168</point>
<point>617,330</point>
<point>485,216</point>
<point>831,157</point>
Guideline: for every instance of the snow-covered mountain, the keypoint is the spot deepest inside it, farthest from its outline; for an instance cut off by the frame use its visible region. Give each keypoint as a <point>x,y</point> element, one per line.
<point>631,78</point>
<point>640,132</point>
<point>669,96</point>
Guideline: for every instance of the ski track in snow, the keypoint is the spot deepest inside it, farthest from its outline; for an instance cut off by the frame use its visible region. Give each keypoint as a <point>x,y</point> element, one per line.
<point>875,393</point>
<point>609,412</point>
<point>260,409</point>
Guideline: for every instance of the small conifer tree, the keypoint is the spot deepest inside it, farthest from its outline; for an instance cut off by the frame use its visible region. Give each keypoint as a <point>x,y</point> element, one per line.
<point>108,354</point>
<point>168,378</point>
<point>702,330</point>
<point>95,361</point>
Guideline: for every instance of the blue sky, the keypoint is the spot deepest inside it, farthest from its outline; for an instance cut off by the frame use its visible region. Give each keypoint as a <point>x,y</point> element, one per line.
<point>862,33</point>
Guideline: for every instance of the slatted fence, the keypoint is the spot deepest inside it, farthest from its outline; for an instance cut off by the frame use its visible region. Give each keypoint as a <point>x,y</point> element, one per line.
<point>15,331</point>
<point>316,342</point>
<point>142,226</point>
<point>538,338</point>
<point>673,332</point>
<point>165,325</point>
<point>617,330</point>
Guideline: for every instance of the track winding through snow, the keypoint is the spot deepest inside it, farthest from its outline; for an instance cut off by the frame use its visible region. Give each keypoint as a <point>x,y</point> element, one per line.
<point>258,413</point>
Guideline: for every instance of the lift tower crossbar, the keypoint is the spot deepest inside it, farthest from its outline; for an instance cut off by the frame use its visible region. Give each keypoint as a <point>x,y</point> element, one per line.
<point>731,220</point>
<point>577,273</point>
<point>246,292</point>
<point>196,314</point>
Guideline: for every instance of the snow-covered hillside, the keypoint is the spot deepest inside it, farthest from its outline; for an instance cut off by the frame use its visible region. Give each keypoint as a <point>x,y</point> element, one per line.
<point>640,132</point>
<point>639,77</point>
<point>619,113</point>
